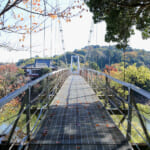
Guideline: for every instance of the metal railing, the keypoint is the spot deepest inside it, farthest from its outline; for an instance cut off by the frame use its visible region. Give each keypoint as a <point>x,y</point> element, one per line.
<point>120,99</point>
<point>34,99</point>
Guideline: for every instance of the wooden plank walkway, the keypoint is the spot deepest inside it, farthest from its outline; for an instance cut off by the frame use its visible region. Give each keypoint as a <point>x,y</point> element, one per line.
<point>76,120</point>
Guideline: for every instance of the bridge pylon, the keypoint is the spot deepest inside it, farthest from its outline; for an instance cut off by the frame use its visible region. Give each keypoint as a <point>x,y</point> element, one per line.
<point>75,57</point>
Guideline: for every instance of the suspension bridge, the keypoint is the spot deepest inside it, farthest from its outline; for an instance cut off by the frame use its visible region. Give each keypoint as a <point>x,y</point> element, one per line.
<point>67,110</point>
<point>70,114</point>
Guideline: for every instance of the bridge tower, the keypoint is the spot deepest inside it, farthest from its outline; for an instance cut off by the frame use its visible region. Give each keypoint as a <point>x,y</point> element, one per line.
<point>73,58</point>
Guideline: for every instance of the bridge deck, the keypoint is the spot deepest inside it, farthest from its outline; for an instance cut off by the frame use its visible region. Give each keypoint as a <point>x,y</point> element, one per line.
<point>76,120</point>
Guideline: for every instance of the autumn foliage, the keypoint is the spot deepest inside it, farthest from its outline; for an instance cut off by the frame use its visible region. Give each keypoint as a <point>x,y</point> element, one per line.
<point>10,79</point>
<point>24,17</point>
<point>109,69</point>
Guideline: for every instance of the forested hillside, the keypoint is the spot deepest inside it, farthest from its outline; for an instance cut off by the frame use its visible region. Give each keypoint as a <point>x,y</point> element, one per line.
<point>111,55</point>
<point>102,56</point>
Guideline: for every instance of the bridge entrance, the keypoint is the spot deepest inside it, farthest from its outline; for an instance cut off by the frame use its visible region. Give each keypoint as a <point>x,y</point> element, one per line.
<point>75,64</point>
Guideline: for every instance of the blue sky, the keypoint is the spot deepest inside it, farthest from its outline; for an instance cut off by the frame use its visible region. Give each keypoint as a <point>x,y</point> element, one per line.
<point>76,35</point>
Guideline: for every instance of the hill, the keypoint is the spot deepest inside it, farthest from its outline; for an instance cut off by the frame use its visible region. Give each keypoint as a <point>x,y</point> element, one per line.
<point>101,56</point>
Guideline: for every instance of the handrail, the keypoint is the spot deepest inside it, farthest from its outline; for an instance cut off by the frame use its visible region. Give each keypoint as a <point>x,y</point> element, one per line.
<point>128,85</point>
<point>46,87</point>
<point>17,92</point>
<point>94,78</point>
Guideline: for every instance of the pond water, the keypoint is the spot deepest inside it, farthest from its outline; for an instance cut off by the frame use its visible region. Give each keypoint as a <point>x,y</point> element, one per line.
<point>20,131</point>
<point>3,127</point>
<point>148,125</point>
<point>4,130</point>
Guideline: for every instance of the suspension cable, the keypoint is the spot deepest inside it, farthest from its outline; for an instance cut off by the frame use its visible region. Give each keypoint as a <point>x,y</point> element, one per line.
<point>109,60</point>
<point>31,30</point>
<point>44,29</point>
<point>89,41</point>
<point>56,31</point>
<point>124,64</point>
<point>96,34</point>
<point>62,40</point>
<point>55,49</point>
<point>51,42</point>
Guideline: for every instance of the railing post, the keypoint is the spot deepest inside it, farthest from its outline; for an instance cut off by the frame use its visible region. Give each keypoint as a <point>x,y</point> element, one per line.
<point>142,122</point>
<point>88,76</point>
<point>91,79</point>
<point>97,82</point>
<point>106,91</point>
<point>128,134</point>
<point>16,121</point>
<point>48,88</point>
<point>28,112</point>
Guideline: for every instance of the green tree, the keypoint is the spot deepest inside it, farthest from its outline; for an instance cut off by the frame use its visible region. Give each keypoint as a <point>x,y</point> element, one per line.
<point>139,76</point>
<point>20,71</point>
<point>120,17</point>
<point>94,66</point>
<point>44,71</point>
<point>74,67</point>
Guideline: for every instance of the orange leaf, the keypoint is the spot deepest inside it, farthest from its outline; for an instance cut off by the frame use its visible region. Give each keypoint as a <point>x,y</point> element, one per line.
<point>21,19</point>
<point>58,101</point>
<point>97,125</point>
<point>107,125</point>
<point>53,16</point>
<point>68,20</point>
<point>35,23</point>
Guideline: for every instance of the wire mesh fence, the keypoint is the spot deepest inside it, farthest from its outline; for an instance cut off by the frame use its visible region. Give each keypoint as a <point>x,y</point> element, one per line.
<point>126,103</point>
<point>27,106</point>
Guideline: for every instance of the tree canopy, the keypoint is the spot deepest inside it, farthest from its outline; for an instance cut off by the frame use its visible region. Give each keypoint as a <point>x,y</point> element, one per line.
<point>101,55</point>
<point>121,16</point>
